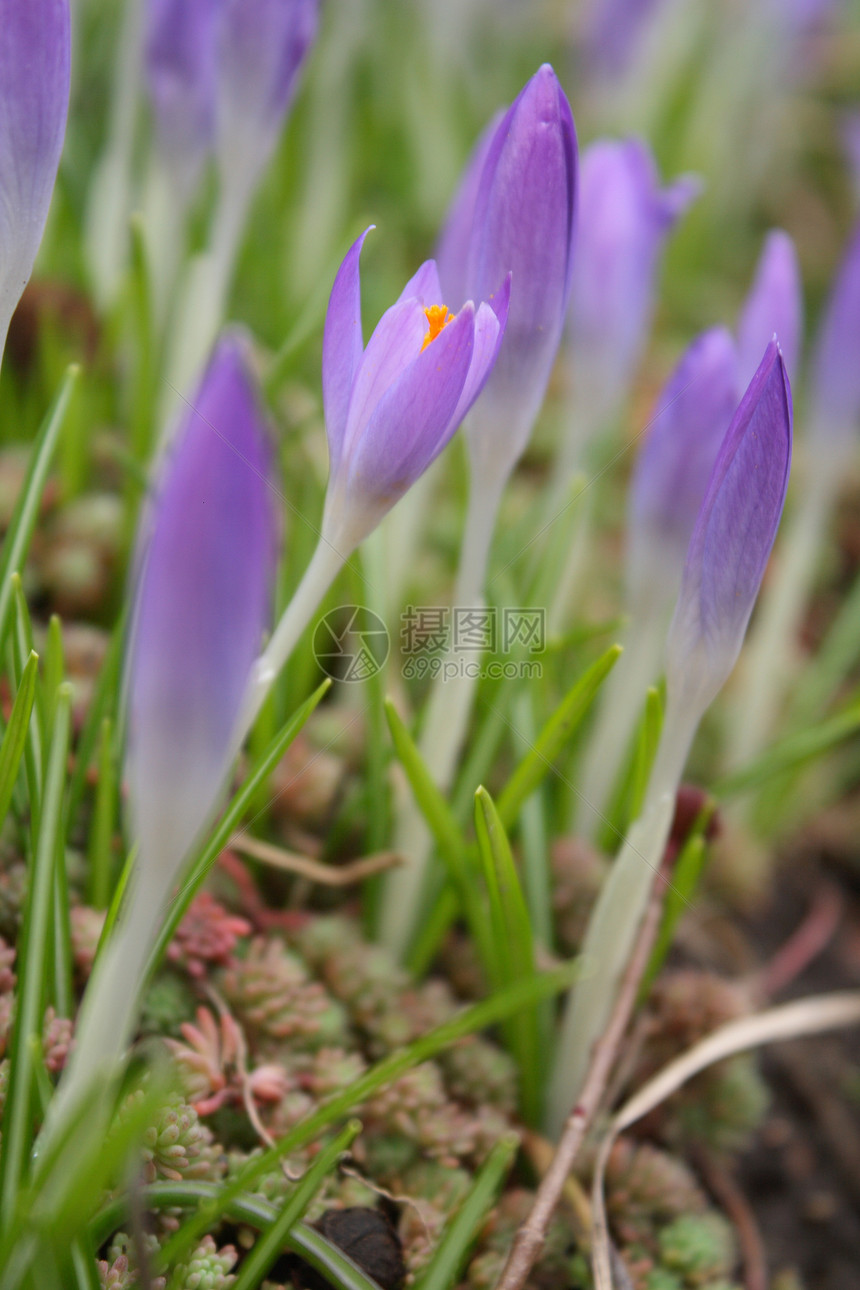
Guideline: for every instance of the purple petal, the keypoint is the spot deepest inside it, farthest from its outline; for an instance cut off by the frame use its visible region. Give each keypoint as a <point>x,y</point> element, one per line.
<point>734,534</point>
<point>413,419</point>
<point>613,31</point>
<point>34,100</point>
<point>774,306</point>
<point>261,48</point>
<point>623,222</point>
<point>523,224</point>
<point>424,286</point>
<point>453,253</point>
<point>394,345</point>
<point>490,322</point>
<point>202,601</point>
<point>672,470</point>
<point>835,368</point>
<point>342,348</point>
<point>180,73</point>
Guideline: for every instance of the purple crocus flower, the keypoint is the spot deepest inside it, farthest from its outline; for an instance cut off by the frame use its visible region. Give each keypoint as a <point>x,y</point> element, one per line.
<point>180,69</point>
<point>774,306</point>
<point>514,213</point>
<point>613,29</point>
<point>261,47</point>
<point>202,601</point>
<point>732,539</point>
<point>390,408</point>
<point>675,464</point>
<point>835,397</point>
<point>34,101</point>
<point>624,220</point>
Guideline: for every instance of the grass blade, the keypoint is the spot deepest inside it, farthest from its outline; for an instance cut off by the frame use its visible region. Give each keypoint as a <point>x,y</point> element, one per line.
<point>15,734</point>
<point>250,1210</point>
<point>792,752</point>
<point>20,531</point>
<point>33,957</point>
<point>273,1238</point>
<point>554,736</point>
<point>100,848</point>
<point>513,947</point>
<point>449,1259</point>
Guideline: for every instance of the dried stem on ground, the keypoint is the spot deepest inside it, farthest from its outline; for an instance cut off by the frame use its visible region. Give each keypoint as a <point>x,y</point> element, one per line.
<point>327,875</point>
<point>532,1234</point>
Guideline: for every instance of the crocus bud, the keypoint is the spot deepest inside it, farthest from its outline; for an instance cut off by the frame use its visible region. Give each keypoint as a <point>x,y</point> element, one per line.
<point>202,601</point>
<point>180,74</point>
<point>391,408</point>
<point>261,47</point>
<point>774,306</point>
<point>674,466</point>
<point>835,398</point>
<point>732,539</point>
<point>624,220</point>
<point>514,213</point>
<point>34,101</point>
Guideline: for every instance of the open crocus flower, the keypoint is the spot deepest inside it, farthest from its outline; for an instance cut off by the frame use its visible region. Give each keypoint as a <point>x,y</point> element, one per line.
<point>34,101</point>
<point>391,408</point>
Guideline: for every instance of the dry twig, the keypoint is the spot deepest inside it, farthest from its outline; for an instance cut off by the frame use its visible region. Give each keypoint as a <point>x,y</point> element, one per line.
<point>327,875</point>
<point>532,1234</point>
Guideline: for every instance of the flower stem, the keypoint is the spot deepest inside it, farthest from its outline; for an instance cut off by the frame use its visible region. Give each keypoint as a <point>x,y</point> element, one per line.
<point>617,916</point>
<point>621,704</point>
<point>325,564</point>
<point>448,710</point>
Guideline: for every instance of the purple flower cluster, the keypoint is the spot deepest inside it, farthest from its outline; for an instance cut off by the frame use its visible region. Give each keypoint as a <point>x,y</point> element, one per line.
<point>221,76</point>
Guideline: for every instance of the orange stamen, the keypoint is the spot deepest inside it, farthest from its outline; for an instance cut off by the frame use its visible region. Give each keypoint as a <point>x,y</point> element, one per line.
<point>438,317</point>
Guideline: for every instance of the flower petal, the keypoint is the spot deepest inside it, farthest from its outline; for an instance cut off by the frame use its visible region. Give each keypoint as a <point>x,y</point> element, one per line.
<point>835,369</point>
<point>425,286</point>
<point>672,470</point>
<point>180,73</point>
<point>733,536</point>
<point>34,100</point>
<point>202,600</point>
<point>453,253</point>
<point>394,345</point>
<point>342,348</point>
<point>774,306</point>
<point>414,418</point>
<point>490,321</point>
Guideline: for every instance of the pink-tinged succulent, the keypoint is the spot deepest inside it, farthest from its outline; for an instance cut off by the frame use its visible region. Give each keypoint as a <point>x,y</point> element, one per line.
<point>35,49</point>
<point>392,406</point>
<point>207,935</point>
